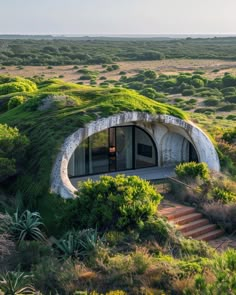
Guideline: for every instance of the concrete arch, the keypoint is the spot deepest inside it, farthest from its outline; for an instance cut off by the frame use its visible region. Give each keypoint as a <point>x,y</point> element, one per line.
<point>174,149</point>
<point>60,182</point>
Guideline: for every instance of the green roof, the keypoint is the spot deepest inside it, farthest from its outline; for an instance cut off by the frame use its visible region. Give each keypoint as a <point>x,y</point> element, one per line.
<point>55,109</point>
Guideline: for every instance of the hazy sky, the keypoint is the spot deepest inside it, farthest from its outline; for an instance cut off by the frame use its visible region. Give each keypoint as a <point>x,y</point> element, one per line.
<point>117,16</point>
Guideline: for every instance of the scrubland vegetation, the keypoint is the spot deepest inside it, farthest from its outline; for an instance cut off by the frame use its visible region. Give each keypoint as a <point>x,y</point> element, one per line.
<point>111,239</point>
<point>28,51</point>
<point>137,253</point>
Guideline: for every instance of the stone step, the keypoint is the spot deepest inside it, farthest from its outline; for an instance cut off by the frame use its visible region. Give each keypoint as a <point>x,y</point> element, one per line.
<point>179,212</point>
<point>200,231</point>
<point>193,225</point>
<point>211,235</point>
<point>187,218</point>
<point>171,209</point>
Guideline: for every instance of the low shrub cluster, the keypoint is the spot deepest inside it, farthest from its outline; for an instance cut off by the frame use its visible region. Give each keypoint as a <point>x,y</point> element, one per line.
<point>13,146</point>
<point>113,203</point>
<point>143,254</point>
<point>214,194</point>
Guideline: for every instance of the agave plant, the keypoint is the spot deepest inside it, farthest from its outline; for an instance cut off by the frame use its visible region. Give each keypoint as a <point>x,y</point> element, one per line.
<point>79,244</point>
<point>16,283</point>
<point>26,226</point>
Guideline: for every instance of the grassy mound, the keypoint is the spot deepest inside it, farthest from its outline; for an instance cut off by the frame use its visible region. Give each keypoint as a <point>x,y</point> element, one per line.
<point>53,111</point>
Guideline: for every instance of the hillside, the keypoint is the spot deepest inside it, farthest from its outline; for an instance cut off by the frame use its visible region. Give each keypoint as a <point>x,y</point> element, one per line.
<point>111,239</point>
<point>49,111</point>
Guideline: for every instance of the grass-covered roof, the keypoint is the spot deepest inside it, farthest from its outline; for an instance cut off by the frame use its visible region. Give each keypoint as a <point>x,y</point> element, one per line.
<point>51,110</point>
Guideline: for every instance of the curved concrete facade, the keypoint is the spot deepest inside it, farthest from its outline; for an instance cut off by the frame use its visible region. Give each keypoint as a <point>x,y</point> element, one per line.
<point>170,134</point>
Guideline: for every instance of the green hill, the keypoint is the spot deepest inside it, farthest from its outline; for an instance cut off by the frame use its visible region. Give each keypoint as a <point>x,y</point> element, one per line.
<point>49,111</point>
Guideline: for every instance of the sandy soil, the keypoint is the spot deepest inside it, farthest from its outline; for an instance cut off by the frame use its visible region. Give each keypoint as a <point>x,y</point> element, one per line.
<point>170,66</point>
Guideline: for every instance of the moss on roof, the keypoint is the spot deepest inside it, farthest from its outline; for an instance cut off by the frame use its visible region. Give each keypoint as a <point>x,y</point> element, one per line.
<point>53,110</point>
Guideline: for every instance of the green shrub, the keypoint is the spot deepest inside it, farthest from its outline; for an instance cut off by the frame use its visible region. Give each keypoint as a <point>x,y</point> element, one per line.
<point>79,244</point>
<point>190,247</point>
<point>149,92</point>
<point>222,195</point>
<point>198,83</point>
<point>52,276</point>
<point>119,202</point>
<point>223,280</point>
<point>13,147</point>
<point>17,85</point>
<point>189,268</point>
<point>227,108</point>
<point>231,99</point>
<point>30,253</point>
<point>159,229</point>
<point>26,226</point>
<point>211,102</point>
<point>230,136</point>
<point>16,101</point>
<point>188,92</point>
<point>192,170</point>
<point>16,283</point>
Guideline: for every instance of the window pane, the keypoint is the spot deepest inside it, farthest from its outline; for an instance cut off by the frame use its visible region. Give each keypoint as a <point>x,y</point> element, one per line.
<point>112,149</point>
<point>124,148</point>
<point>145,153</point>
<point>78,164</point>
<point>98,152</point>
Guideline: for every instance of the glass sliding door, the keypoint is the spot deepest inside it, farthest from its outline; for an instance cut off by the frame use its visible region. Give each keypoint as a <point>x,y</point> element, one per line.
<point>124,148</point>
<point>78,164</point>
<point>114,149</point>
<point>98,153</point>
<point>145,151</point>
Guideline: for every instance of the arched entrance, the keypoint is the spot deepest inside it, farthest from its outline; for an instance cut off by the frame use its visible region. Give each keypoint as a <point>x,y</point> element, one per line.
<point>157,126</point>
<point>114,149</point>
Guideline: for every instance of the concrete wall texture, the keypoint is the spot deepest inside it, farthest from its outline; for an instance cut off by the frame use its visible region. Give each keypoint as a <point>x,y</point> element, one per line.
<point>170,134</point>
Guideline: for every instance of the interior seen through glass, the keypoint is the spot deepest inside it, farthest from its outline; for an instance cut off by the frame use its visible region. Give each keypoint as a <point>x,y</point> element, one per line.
<point>114,149</point>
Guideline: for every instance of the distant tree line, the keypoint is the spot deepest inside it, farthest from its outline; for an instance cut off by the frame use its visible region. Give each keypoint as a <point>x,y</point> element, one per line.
<point>56,51</point>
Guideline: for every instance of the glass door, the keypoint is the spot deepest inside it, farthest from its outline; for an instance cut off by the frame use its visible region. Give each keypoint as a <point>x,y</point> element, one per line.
<point>124,148</point>
<point>98,153</point>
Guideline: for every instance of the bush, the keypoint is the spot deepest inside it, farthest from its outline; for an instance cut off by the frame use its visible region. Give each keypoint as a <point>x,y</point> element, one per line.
<point>119,202</point>
<point>230,136</point>
<point>52,276</point>
<point>149,92</point>
<point>192,170</point>
<point>211,102</point>
<point>15,101</point>
<point>16,283</point>
<point>79,244</point>
<point>198,83</point>
<point>159,229</point>
<point>26,226</point>
<point>13,147</point>
<point>188,92</point>
<point>17,85</point>
<point>30,253</point>
<point>191,247</point>
<point>222,195</point>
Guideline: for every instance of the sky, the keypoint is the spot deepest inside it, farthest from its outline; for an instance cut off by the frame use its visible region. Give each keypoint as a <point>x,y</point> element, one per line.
<point>110,17</point>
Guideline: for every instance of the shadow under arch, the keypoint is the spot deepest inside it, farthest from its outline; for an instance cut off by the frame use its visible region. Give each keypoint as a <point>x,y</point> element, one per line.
<point>176,148</point>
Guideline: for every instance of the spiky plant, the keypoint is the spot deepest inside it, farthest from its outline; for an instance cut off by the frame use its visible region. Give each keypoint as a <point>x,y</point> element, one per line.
<point>26,226</point>
<point>16,283</point>
<point>79,244</point>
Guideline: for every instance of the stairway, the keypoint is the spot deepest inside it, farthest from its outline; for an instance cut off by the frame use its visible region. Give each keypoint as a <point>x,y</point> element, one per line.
<point>191,223</point>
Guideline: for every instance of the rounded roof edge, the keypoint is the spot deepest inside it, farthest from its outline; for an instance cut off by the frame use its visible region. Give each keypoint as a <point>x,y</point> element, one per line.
<point>60,183</point>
